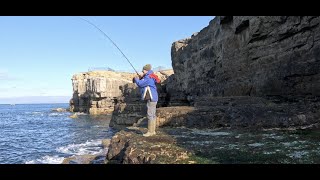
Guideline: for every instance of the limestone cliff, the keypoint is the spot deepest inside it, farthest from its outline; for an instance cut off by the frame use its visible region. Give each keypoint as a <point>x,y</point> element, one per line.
<point>247,71</point>
<point>250,56</point>
<point>97,92</point>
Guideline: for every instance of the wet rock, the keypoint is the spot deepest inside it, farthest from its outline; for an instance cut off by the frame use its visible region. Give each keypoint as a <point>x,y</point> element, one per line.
<point>106,143</point>
<point>74,116</point>
<point>173,116</point>
<point>80,159</point>
<point>129,147</point>
<point>240,112</point>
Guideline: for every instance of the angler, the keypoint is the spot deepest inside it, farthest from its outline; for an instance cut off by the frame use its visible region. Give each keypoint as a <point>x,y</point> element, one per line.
<point>147,84</point>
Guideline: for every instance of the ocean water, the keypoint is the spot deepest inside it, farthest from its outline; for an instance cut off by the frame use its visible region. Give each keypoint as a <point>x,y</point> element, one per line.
<point>34,134</point>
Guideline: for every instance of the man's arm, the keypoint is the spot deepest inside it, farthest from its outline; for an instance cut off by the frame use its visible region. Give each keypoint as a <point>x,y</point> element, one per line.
<point>141,83</point>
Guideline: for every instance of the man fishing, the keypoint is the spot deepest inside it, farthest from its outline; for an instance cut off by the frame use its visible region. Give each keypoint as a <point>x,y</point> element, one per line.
<point>146,83</point>
<point>148,90</point>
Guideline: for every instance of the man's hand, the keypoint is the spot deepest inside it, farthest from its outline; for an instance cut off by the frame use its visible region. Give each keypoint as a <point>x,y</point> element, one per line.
<point>136,76</point>
<point>139,76</point>
<point>133,79</point>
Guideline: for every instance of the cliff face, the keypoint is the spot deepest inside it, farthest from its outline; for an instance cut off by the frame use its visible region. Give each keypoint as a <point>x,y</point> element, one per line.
<point>96,92</point>
<point>240,71</point>
<point>249,56</point>
<point>247,71</point>
<point>100,92</point>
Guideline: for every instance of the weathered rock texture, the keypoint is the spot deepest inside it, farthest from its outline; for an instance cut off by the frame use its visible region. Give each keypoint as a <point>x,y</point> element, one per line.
<point>249,56</point>
<point>242,112</point>
<point>85,159</point>
<point>267,68</point>
<point>98,92</point>
<point>95,92</point>
<point>132,148</point>
<point>239,71</point>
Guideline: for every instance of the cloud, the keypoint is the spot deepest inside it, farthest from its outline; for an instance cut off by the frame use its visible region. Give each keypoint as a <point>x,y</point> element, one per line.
<point>4,76</point>
<point>7,90</point>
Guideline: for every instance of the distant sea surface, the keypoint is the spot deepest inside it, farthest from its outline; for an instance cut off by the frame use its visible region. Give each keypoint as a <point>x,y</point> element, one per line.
<point>34,134</point>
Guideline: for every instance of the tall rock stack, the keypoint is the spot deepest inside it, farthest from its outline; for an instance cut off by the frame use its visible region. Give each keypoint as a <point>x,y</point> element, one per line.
<point>96,92</point>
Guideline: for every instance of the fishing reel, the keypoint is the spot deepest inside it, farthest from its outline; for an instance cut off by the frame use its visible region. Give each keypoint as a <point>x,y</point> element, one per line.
<point>133,79</point>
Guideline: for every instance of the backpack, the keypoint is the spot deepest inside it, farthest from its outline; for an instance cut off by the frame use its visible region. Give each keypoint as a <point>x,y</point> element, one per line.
<point>155,77</point>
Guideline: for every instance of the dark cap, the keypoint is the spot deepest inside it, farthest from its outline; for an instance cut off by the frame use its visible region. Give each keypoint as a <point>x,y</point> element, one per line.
<point>147,67</point>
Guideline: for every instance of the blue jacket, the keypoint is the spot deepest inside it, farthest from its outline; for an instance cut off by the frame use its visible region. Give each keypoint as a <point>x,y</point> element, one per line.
<point>144,83</point>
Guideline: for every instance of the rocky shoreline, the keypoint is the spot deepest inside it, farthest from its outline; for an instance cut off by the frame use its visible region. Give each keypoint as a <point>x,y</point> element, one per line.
<point>248,73</point>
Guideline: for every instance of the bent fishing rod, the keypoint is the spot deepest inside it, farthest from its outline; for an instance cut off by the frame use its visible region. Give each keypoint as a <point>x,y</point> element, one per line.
<point>112,42</point>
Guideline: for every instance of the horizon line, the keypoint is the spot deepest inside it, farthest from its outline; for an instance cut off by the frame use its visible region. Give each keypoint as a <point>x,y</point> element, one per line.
<point>35,96</point>
<point>33,103</point>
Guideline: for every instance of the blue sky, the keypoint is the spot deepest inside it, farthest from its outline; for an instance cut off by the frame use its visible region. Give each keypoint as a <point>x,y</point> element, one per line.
<point>39,54</point>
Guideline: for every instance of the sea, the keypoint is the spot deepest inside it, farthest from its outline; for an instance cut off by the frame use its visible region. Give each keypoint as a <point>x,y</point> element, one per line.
<point>35,134</point>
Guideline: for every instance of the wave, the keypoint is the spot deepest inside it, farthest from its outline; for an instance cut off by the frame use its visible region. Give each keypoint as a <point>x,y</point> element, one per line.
<point>90,147</point>
<point>47,160</point>
<point>35,112</point>
<point>56,114</point>
<point>81,114</point>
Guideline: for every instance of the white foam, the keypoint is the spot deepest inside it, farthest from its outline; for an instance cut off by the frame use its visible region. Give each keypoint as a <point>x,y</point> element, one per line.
<point>238,136</point>
<point>298,154</point>
<point>293,143</point>
<point>93,147</point>
<point>268,152</point>
<point>36,113</point>
<point>211,133</point>
<point>233,146</point>
<point>90,147</point>
<point>56,114</point>
<point>47,160</point>
<point>273,136</point>
<point>80,113</point>
<point>255,144</point>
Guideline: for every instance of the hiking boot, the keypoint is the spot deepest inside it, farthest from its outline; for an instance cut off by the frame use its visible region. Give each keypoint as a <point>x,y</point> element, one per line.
<point>151,128</point>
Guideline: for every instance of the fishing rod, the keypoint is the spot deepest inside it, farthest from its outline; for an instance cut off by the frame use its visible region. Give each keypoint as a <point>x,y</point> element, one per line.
<point>111,41</point>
